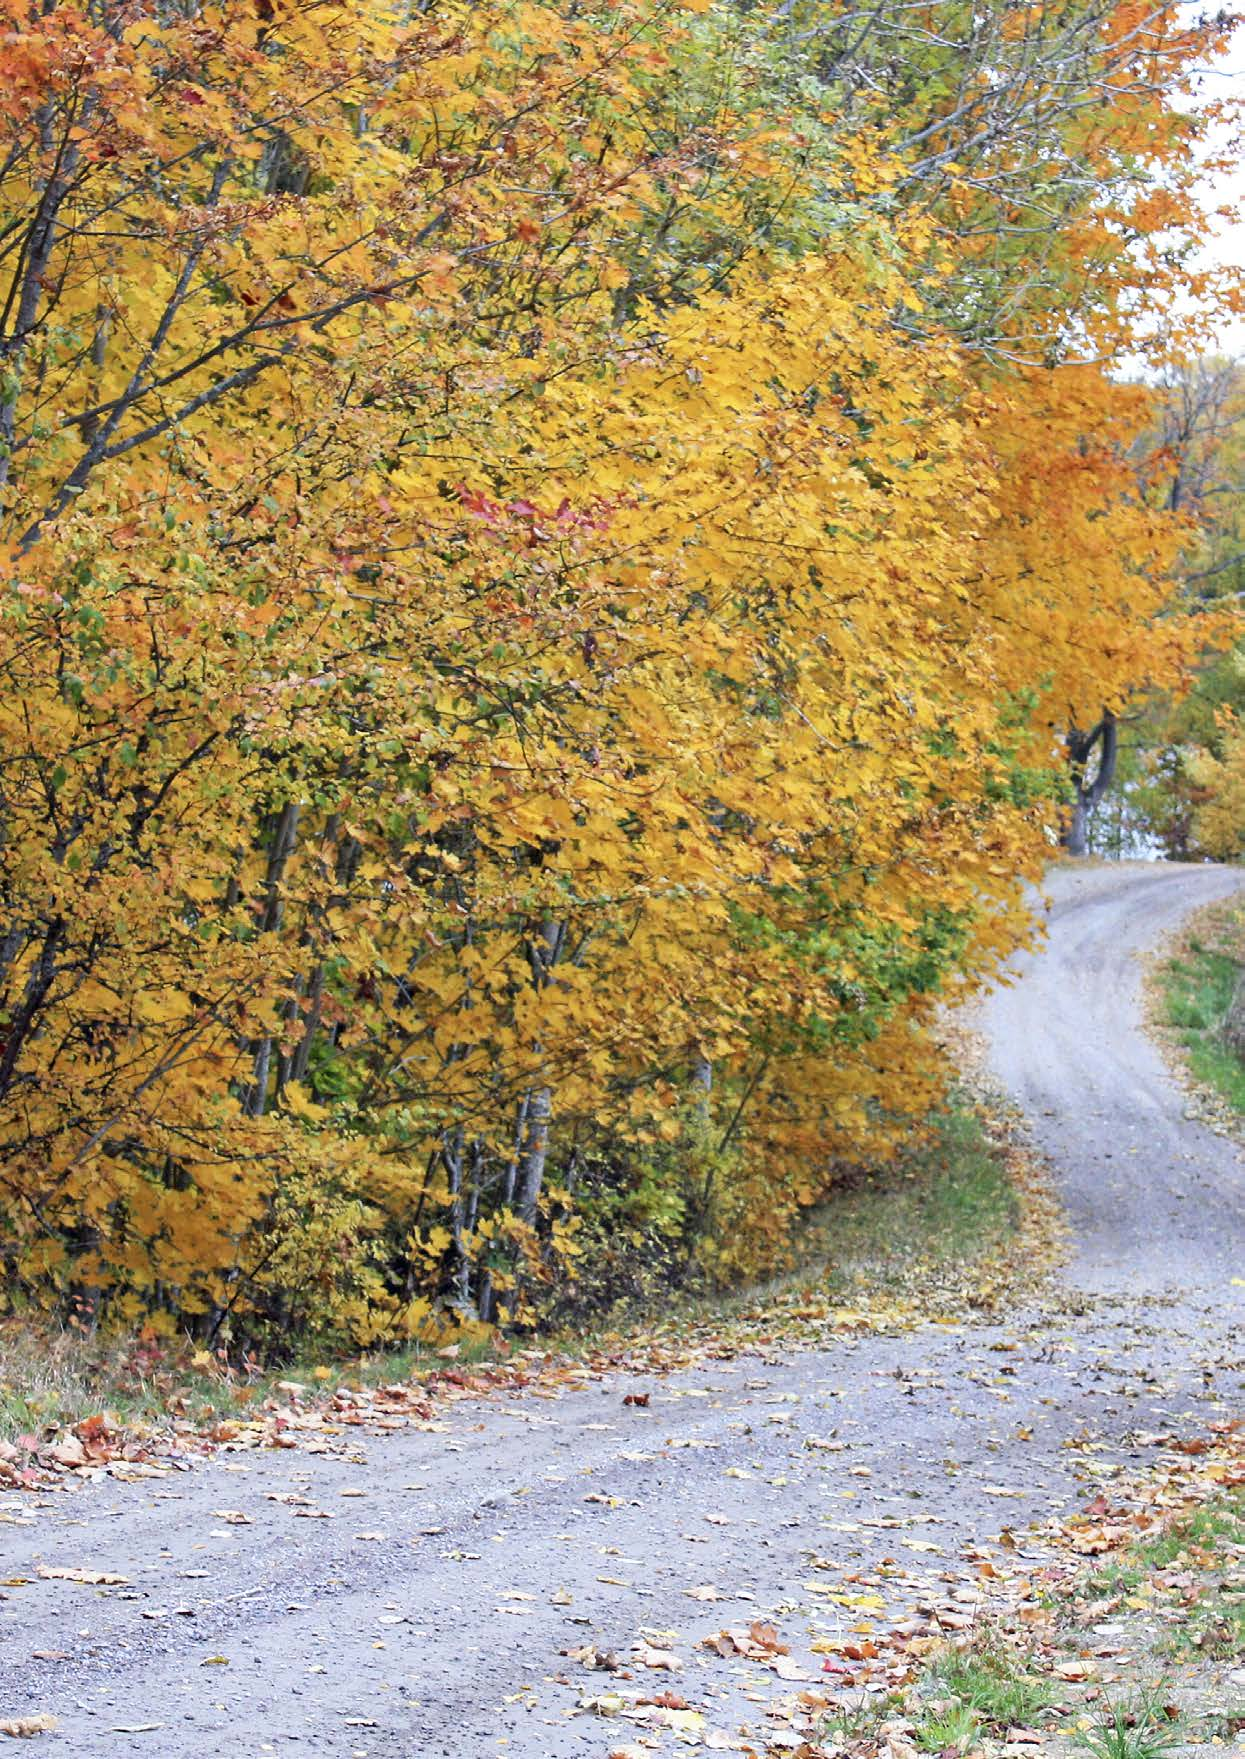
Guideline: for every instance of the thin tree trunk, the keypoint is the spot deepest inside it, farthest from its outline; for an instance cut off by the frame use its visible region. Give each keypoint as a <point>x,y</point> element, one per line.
<point>452,1157</point>
<point>315,1001</point>
<point>534,1153</point>
<point>543,956</point>
<point>702,1085</point>
<point>485,1300</point>
<point>283,841</point>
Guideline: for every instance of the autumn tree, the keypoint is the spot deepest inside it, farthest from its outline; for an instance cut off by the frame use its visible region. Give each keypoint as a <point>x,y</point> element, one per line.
<point>546,567</point>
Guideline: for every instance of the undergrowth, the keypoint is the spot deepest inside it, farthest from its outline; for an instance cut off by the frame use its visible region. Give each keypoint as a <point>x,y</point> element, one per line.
<point>951,1202</point>
<point>916,1234</point>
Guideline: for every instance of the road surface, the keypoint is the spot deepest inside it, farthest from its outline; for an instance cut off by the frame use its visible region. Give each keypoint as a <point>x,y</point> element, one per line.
<point>413,1595</point>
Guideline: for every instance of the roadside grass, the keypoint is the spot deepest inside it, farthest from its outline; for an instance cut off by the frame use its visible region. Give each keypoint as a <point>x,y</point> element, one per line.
<point>54,1377</point>
<point>1136,1727</point>
<point>62,1375</point>
<point>1211,1545</point>
<point>977,1692</point>
<point>1171,1608</point>
<point>956,1728</point>
<point>951,1203</point>
<point>1195,987</point>
<point>1199,1539</point>
<point>1191,1577</point>
<point>1079,1656</point>
<point>990,1679</point>
<point>849,1725</point>
<point>920,1239</point>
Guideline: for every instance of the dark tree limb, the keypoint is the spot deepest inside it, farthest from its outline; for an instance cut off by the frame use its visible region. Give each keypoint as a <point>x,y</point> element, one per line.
<point>1091,780</point>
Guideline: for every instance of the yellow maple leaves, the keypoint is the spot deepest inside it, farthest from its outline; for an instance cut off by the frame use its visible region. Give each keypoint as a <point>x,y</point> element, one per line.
<point>490,740</point>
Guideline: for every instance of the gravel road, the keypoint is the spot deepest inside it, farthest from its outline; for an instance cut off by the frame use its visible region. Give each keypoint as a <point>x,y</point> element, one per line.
<point>411,1596</point>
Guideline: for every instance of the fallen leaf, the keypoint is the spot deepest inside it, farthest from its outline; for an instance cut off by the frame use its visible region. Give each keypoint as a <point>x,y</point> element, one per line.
<point>647,1656</point>
<point>1073,1671</point>
<point>683,1721</point>
<point>24,1726</point>
<point>604,1704</point>
<point>69,1452</point>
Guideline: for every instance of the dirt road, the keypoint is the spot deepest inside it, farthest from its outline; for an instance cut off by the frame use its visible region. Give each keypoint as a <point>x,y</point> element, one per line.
<point>1154,1201</point>
<point>412,1595</point>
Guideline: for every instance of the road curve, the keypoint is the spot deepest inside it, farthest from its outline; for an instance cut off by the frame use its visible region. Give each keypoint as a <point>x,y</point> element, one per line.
<point>1156,1201</point>
<point>426,1608</point>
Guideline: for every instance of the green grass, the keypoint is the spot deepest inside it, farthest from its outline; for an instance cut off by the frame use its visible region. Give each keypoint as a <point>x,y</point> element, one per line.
<point>54,1375</point>
<point>57,1376</point>
<point>956,1728</point>
<point>1136,1728</point>
<point>991,1680</point>
<point>1210,1529</point>
<point>1207,1548</point>
<point>949,1202</point>
<point>863,1720</point>
<point>915,1232</point>
<point>1212,1544</point>
<point>1197,987</point>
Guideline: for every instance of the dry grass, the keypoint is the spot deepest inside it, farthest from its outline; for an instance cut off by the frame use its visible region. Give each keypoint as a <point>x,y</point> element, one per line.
<point>54,1375</point>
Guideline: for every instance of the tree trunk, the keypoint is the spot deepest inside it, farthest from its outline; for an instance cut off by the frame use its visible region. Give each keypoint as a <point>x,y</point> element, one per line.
<point>535,1152</point>
<point>1076,836</point>
<point>702,1086</point>
<point>285,836</point>
<point>543,955</point>
<point>1104,737</point>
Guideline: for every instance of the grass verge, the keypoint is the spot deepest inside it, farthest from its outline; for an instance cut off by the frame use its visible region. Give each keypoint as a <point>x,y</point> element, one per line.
<point>1195,984</point>
<point>1189,1579</point>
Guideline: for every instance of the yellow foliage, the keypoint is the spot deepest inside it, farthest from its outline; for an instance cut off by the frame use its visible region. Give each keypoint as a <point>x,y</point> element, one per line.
<point>481,750</point>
